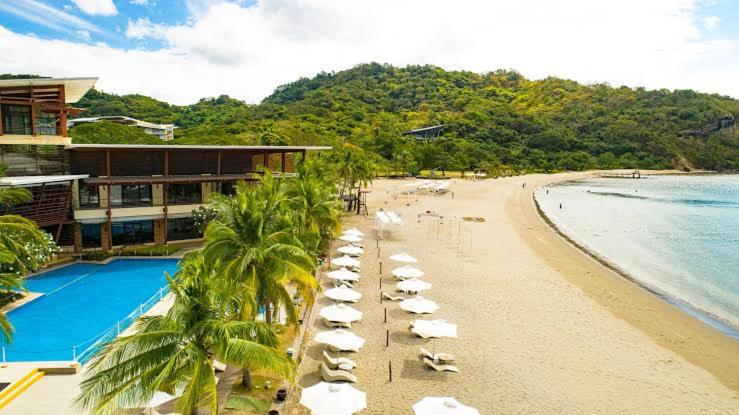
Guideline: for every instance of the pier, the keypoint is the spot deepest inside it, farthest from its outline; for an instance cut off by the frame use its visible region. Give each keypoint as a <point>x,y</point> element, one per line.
<point>619,175</point>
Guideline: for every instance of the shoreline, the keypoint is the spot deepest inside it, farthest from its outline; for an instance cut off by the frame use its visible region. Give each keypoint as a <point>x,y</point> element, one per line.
<point>714,321</point>
<point>626,298</point>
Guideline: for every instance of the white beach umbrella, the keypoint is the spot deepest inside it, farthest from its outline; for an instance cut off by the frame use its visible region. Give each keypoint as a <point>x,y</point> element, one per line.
<point>413,285</point>
<point>353,231</point>
<point>333,399</point>
<point>382,217</point>
<point>351,250</point>
<point>340,339</point>
<point>407,271</point>
<point>341,313</point>
<point>434,329</point>
<point>345,261</point>
<point>343,274</point>
<point>343,293</point>
<point>159,398</point>
<point>419,305</point>
<point>350,238</point>
<point>403,257</point>
<point>432,405</point>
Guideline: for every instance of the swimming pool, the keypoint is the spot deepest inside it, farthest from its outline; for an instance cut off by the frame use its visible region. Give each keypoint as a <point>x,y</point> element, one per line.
<point>81,303</point>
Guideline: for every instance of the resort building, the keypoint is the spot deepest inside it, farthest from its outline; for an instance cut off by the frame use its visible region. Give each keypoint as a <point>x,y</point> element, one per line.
<point>165,132</point>
<point>102,196</point>
<point>427,133</point>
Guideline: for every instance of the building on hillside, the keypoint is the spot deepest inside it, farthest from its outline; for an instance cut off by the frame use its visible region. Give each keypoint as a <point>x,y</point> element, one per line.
<point>103,196</point>
<point>165,132</point>
<point>427,133</point>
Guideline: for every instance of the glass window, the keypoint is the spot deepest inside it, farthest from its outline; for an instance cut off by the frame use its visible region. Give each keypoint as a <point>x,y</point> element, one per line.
<point>132,233</point>
<point>116,196</point>
<point>184,193</point>
<point>130,195</point>
<point>91,235</point>
<point>228,188</point>
<point>16,119</point>
<point>182,228</point>
<point>89,197</point>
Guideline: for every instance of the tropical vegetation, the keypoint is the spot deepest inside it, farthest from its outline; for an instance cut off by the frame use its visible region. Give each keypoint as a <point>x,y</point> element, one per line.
<point>497,121</point>
<point>24,247</point>
<point>261,251</point>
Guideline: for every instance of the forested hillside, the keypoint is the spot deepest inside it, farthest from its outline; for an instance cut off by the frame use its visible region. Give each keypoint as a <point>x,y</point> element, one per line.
<point>495,121</point>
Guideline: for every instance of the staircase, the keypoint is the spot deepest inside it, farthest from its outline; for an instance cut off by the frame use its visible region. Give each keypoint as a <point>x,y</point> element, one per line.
<point>16,388</point>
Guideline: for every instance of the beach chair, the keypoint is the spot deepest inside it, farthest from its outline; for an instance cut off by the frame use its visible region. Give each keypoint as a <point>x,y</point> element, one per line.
<point>392,297</point>
<point>342,363</point>
<point>329,375</point>
<point>439,367</point>
<point>337,324</point>
<point>218,366</point>
<point>438,357</point>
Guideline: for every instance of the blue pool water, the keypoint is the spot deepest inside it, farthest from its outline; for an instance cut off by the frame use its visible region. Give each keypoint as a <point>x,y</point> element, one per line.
<point>81,302</point>
<point>677,235</point>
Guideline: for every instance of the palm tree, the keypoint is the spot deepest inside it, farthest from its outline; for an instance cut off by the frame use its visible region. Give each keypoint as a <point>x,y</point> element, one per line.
<point>253,241</point>
<point>354,167</point>
<point>174,353</point>
<point>315,208</point>
<point>18,237</point>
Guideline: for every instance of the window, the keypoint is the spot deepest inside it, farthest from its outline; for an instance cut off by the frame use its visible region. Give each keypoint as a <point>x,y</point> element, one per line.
<point>130,195</point>
<point>91,235</point>
<point>228,188</point>
<point>89,197</point>
<point>16,119</point>
<point>184,194</point>
<point>182,228</point>
<point>132,233</point>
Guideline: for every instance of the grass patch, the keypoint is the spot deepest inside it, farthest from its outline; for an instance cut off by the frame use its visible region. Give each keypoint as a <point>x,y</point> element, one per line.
<point>246,403</point>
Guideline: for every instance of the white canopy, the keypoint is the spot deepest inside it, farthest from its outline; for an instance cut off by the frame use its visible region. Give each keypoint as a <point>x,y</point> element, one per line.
<point>432,405</point>
<point>407,271</point>
<point>403,257</point>
<point>159,398</point>
<point>333,399</point>
<point>341,313</point>
<point>413,285</point>
<point>434,328</point>
<point>351,250</point>
<point>350,238</point>
<point>343,293</point>
<point>343,274</point>
<point>345,261</point>
<point>340,339</point>
<point>419,305</point>
<point>353,231</point>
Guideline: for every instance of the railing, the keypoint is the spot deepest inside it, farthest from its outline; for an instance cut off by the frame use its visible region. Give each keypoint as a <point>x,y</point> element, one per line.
<point>84,351</point>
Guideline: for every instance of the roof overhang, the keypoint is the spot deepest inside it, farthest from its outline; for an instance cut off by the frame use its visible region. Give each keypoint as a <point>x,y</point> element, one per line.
<point>74,88</point>
<point>37,180</point>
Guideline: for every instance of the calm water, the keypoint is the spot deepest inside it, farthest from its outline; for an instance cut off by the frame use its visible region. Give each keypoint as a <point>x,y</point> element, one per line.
<point>677,235</point>
<point>80,303</point>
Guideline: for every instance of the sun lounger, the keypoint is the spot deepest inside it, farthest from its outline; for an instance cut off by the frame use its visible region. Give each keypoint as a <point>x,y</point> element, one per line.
<point>337,324</point>
<point>439,357</point>
<point>392,297</point>
<point>336,375</point>
<point>218,366</point>
<point>429,364</point>
<point>342,363</point>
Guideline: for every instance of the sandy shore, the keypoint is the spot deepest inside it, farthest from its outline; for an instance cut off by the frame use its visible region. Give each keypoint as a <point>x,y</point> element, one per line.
<point>544,328</point>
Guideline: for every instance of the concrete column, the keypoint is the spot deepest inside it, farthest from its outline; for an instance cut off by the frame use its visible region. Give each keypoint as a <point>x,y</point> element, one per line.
<point>159,232</point>
<point>103,196</point>
<point>77,235</point>
<point>75,194</point>
<point>206,191</point>
<point>157,194</point>
<point>105,237</point>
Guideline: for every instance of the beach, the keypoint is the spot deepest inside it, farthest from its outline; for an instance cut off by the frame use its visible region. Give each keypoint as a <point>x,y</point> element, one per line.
<point>543,326</point>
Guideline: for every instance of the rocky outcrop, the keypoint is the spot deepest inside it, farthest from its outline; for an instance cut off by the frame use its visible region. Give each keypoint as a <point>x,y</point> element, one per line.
<point>722,123</point>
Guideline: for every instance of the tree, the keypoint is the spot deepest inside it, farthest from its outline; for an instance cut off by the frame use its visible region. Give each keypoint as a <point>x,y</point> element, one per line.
<point>174,353</point>
<point>23,246</point>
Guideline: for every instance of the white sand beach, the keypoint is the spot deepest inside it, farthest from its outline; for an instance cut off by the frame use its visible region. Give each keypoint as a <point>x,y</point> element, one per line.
<point>543,327</point>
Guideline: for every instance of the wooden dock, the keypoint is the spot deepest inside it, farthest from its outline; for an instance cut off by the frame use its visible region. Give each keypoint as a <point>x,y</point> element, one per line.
<point>619,175</point>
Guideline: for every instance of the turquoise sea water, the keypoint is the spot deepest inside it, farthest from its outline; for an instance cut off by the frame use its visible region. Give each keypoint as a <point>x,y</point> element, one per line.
<point>677,235</point>
<point>82,303</point>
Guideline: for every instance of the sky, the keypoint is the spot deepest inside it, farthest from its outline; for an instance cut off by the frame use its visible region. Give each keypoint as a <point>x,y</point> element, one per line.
<point>182,50</point>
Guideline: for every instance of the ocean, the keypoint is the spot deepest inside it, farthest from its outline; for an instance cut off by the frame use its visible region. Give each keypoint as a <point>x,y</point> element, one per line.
<point>677,235</point>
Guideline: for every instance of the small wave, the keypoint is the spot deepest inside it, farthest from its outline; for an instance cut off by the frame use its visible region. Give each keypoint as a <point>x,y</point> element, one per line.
<point>693,202</point>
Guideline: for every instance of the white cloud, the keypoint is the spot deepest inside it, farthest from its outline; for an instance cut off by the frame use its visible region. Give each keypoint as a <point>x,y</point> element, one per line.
<point>710,22</point>
<point>97,7</point>
<point>142,2</point>
<point>84,35</point>
<point>247,49</point>
<point>143,28</point>
<point>47,16</point>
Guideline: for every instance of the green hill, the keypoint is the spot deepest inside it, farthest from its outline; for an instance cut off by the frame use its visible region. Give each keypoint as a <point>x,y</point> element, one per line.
<point>497,120</point>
